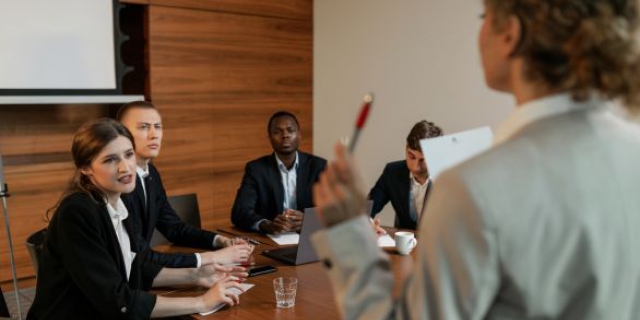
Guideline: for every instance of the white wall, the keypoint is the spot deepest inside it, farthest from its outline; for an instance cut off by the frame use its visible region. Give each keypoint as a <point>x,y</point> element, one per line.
<point>420,59</point>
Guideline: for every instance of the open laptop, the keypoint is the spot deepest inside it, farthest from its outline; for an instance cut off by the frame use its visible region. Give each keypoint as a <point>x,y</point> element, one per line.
<point>303,252</point>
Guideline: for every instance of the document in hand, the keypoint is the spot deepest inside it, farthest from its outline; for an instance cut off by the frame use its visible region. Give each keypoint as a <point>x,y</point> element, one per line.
<point>444,152</point>
<point>245,287</point>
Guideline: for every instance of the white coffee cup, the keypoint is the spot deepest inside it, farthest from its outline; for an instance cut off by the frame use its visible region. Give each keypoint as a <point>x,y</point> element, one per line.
<point>405,242</point>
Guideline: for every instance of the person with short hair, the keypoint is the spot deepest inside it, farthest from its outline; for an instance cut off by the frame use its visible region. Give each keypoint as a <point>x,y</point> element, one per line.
<point>406,183</point>
<point>91,266</point>
<point>544,224</point>
<point>153,211</point>
<point>276,188</point>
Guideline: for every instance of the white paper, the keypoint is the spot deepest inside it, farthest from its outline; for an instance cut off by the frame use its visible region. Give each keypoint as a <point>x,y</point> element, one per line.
<point>386,241</point>
<point>285,238</point>
<point>245,287</point>
<point>444,152</point>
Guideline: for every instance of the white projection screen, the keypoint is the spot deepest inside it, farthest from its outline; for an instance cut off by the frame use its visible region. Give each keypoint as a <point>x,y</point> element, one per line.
<point>60,46</point>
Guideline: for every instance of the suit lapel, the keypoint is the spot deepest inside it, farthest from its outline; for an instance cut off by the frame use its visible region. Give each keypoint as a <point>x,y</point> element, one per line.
<point>151,204</point>
<point>405,189</point>
<point>301,183</point>
<point>276,183</point>
<point>113,238</point>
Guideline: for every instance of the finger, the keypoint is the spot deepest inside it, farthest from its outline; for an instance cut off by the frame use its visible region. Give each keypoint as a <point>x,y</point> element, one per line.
<point>235,298</point>
<point>228,300</point>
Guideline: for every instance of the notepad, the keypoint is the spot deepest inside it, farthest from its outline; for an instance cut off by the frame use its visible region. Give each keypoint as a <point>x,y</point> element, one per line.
<point>245,287</point>
<point>285,238</point>
<point>386,241</point>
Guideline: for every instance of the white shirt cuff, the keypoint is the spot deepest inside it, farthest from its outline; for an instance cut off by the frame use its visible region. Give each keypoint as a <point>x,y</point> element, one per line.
<point>198,260</point>
<point>213,245</point>
<point>256,226</point>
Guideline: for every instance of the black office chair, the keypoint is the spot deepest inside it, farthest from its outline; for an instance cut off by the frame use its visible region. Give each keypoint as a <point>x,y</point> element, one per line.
<point>34,244</point>
<point>186,206</point>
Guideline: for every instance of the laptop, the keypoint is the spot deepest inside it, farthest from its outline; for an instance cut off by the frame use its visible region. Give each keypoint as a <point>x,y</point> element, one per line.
<point>304,252</point>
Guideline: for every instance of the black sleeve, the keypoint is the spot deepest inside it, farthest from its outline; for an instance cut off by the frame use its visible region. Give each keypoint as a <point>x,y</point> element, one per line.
<point>93,269</point>
<point>380,193</point>
<point>243,213</point>
<point>174,229</point>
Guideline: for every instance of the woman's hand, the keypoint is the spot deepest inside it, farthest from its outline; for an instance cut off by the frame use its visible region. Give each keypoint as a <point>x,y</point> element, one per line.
<point>226,291</point>
<point>233,254</point>
<point>208,275</point>
<point>339,194</point>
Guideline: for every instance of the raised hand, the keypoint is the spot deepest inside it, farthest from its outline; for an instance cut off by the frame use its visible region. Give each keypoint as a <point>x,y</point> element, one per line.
<point>339,194</point>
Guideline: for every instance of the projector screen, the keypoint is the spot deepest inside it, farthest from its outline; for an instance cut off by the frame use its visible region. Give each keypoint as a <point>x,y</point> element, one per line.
<point>58,47</point>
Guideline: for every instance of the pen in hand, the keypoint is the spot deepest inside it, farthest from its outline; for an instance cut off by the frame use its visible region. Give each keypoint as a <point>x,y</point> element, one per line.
<point>362,118</point>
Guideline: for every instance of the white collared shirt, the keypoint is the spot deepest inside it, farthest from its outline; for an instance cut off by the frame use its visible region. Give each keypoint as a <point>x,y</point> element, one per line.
<point>539,109</point>
<point>117,215</point>
<point>418,195</point>
<point>289,178</point>
<point>143,173</point>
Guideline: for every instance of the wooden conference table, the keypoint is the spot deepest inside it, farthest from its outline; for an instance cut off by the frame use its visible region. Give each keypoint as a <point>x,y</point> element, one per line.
<point>314,297</point>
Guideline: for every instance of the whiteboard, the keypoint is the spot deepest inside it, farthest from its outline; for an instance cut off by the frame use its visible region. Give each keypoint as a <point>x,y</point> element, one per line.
<point>61,44</point>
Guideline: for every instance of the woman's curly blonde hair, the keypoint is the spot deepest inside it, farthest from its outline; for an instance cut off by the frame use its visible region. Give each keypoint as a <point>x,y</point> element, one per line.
<point>579,46</point>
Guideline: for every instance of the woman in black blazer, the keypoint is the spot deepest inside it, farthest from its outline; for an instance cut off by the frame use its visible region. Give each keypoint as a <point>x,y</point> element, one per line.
<point>89,268</point>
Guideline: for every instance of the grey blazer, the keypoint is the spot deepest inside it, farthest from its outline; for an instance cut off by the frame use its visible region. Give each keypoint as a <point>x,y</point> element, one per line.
<point>543,226</point>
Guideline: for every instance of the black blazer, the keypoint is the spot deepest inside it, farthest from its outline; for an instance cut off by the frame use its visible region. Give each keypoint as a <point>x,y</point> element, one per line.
<point>395,185</point>
<point>261,193</point>
<point>81,272</point>
<point>158,214</point>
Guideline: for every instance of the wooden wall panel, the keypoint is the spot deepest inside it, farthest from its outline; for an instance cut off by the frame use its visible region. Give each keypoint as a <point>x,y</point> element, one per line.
<point>293,9</point>
<point>224,75</point>
<point>217,70</point>
<point>35,142</point>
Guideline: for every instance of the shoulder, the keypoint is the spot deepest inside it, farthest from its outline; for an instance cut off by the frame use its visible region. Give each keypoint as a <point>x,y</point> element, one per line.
<point>78,206</point>
<point>260,163</point>
<point>311,160</point>
<point>395,166</point>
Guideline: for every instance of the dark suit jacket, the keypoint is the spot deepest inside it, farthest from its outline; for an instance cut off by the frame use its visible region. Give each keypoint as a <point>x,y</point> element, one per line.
<point>158,214</point>
<point>81,272</point>
<point>395,185</point>
<point>261,194</point>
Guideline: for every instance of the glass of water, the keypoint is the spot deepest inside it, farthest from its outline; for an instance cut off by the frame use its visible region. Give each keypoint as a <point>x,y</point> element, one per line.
<point>285,291</point>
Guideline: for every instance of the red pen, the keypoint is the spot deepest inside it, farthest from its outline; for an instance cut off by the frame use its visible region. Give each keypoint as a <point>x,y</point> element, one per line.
<point>362,119</point>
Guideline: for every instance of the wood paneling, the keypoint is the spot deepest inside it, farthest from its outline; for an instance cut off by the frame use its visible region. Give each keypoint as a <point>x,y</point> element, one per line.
<point>35,142</point>
<point>135,1</point>
<point>217,78</point>
<point>293,9</point>
<point>217,71</point>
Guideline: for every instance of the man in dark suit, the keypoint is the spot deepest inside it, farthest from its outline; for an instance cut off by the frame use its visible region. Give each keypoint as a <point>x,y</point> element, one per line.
<point>277,187</point>
<point>406,182</point>
<point>148,203</point>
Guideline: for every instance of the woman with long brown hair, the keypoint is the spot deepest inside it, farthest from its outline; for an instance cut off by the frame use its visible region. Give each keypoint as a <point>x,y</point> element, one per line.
<point>89,268</point>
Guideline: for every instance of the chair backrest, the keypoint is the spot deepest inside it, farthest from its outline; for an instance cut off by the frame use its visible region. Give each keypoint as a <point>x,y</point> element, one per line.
<point>186,206</point>
<point>4,309</point>
<point>34,244</point>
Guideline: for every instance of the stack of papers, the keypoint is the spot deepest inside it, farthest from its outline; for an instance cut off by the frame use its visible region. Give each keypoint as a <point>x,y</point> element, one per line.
<point>285,238</point>
<point>386,241</point>
<point>245,287</point>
